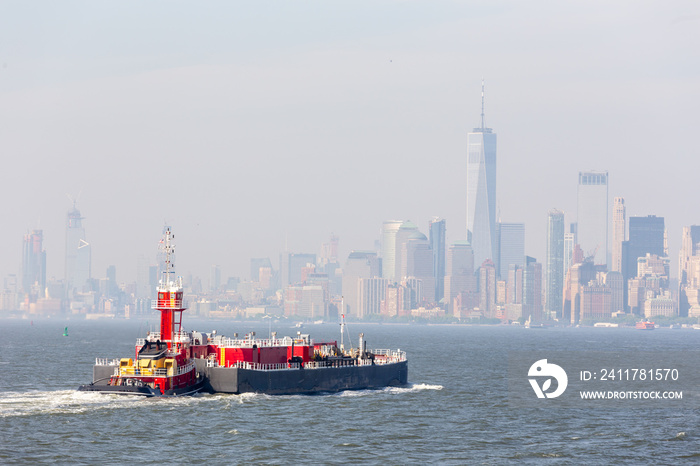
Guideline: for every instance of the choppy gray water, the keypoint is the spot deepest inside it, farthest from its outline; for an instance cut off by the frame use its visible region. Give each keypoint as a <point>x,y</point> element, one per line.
<point>454,411</point>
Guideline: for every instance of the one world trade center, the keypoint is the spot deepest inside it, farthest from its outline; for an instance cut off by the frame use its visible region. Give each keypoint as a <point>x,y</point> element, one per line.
<point>481,191</point>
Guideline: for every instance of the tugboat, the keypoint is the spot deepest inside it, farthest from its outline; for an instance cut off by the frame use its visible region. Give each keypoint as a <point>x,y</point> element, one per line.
<point>173,362</point>
<point>162,365</point>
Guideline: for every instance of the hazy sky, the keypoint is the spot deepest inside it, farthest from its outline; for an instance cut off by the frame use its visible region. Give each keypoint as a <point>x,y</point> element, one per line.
<point>245,123</point>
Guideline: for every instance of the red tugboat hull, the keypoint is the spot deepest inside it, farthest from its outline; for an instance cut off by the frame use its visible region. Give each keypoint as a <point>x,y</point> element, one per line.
<point>140,389</point>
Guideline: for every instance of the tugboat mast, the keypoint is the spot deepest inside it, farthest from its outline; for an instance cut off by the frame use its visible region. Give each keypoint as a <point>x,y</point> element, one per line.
<point>169,301</point>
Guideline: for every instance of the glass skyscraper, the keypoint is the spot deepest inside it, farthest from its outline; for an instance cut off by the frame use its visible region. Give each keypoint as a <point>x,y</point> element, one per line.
<point>437,244</point>
<point>510,247</point>
<point>388,253</point>
<point>592,212</point>
<point>646,237</point>
<point>554,286</point>
<point>481,192</point>
<point>78,255</point>
<point>33,262</point>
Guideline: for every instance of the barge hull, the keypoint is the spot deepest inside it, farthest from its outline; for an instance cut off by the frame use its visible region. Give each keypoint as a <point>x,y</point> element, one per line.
<point>302,381</point>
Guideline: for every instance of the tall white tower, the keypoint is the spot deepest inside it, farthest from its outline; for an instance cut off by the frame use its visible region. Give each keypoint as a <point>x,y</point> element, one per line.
<point>481,190</point>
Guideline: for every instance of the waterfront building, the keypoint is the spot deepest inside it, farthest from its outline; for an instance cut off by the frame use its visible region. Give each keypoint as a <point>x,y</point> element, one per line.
<point>371,293</point>
<point>651,281</point>
<point>414,291</point>
<point>661,305</point>
<point>595,302</point>
<point>397,300</point>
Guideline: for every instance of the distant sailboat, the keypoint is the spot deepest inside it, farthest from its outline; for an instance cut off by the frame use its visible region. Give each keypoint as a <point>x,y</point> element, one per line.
<point>65,332</point>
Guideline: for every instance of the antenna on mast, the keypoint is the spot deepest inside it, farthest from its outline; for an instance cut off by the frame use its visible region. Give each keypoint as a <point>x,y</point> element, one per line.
<point>482,104</point>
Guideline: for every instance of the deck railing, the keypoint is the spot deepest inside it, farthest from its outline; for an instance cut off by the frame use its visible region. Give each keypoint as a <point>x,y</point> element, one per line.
<point>166,304</point>
<point>180,337</point>
<point>147,372</point>
<point>262,342</point>
<point>106,362</point>
<point>386,357</point>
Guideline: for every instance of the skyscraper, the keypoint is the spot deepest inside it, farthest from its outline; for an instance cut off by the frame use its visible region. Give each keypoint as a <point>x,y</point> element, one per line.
<point>646,236</point>
<point>214,277</point>
<point>388,252</point>
<point>329,251</point>
<point>360,264</point>
<point>417,260</point>
<point>33,262</point>
<point>554,286</point>
<point>256,264</point>
<point>689,272</point>
<point>78,255</point>
<point>487,289</point>
<point>619,232</point>
<point>481,191</point>
<point>592,212</point>
<point>532,289</point>
<point>370,292</point>
<point>459,277</point>
<point>291,265</point>
<point>569,244</point>
<point>406,232</point>
<point>437,244</point>
<point>510,247</point>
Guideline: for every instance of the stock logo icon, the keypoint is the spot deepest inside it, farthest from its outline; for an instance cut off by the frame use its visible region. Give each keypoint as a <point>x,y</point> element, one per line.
<point>542,370</point>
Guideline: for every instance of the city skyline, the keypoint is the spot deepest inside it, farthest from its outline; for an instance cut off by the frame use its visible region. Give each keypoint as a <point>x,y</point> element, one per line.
<point>292,137</point>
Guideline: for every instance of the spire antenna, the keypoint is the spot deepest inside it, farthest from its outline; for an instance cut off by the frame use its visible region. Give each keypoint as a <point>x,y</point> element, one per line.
<point>482,104</point>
